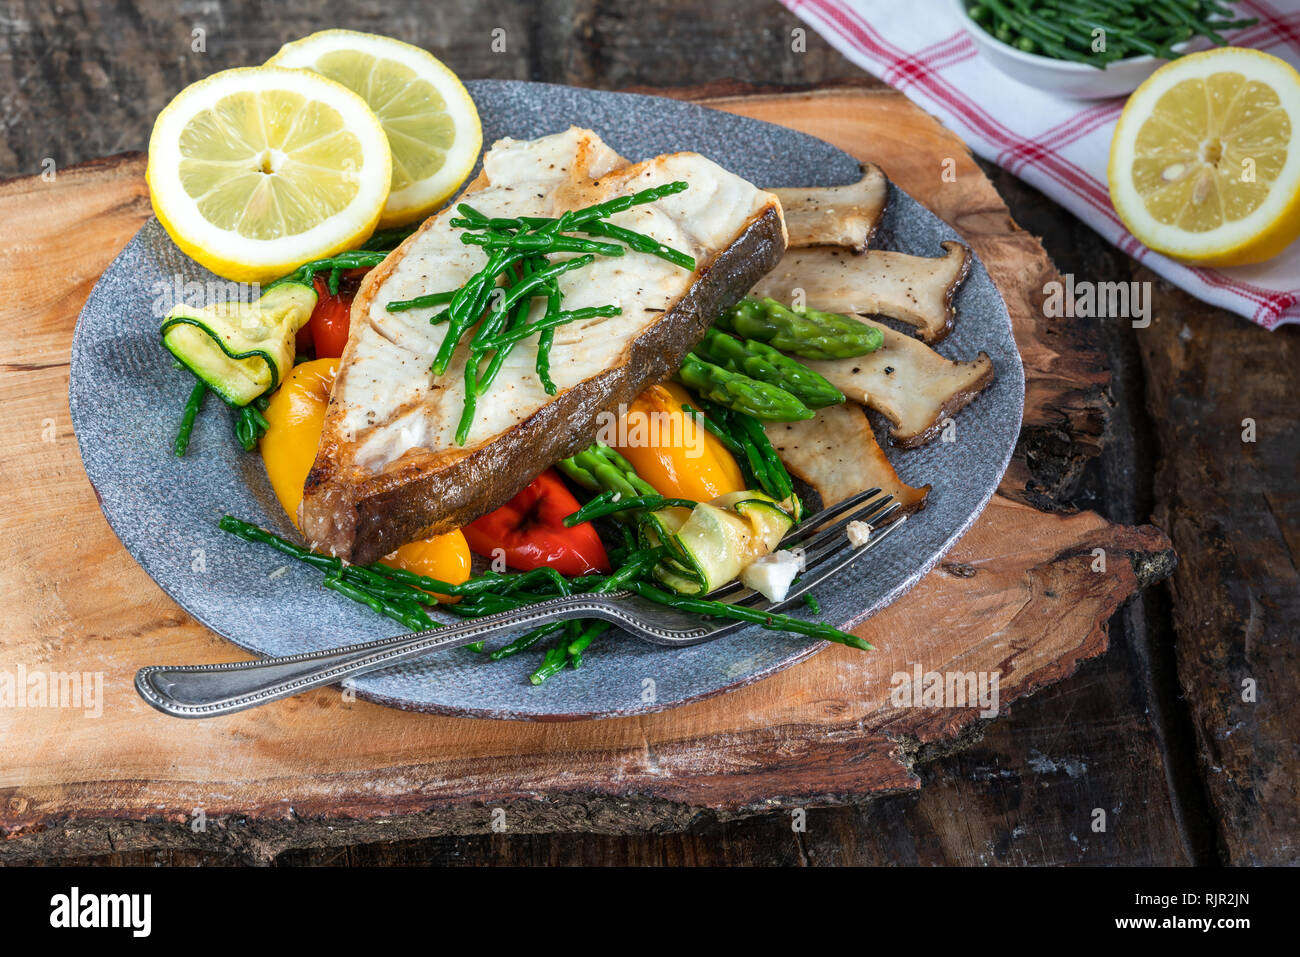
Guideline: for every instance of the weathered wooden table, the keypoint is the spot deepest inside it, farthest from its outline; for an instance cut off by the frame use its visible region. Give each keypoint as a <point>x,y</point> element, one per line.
<point>1156,731</point>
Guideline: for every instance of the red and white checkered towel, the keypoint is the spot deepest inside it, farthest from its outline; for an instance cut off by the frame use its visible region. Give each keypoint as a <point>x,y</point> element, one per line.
<point>1058,145</point>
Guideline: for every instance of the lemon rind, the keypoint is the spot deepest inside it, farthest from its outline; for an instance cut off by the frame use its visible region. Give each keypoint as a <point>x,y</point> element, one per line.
<point>1263,233</point>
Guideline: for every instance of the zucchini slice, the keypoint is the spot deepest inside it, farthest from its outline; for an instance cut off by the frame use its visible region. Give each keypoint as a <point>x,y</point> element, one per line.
<point>241,349</point>
<point>717,540</point>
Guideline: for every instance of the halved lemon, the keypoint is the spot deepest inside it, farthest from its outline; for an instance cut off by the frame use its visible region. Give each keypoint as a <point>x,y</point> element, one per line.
<point>1205,161</point>
<point>432,124</point>
<point>255,171</point>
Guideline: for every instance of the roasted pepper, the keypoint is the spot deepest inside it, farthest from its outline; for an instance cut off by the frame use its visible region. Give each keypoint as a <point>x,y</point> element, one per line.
<point>671,450</point>
<point>529,532</point>
<point>331,319</point>
<point>295,415</point>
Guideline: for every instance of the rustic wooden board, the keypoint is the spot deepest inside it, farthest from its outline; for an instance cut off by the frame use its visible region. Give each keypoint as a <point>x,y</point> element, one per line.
<point>1018,595</point>
<point>1223,395</point>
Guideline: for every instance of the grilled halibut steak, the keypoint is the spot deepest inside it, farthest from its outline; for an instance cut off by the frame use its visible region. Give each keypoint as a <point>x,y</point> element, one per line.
<point>389,470</point>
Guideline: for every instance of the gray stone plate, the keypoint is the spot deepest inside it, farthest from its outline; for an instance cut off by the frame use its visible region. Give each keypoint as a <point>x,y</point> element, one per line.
<point>126,400</point>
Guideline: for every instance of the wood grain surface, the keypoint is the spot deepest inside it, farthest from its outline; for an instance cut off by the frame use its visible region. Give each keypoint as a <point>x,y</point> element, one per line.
<point>1149,731</point>
<point>1019,595</point>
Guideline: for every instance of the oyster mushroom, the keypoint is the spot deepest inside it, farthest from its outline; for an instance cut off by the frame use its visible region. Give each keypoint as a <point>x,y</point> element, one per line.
<point>917,290</point>
<point>909,383</point>
<point>836,215</point>
<point>837,454</point>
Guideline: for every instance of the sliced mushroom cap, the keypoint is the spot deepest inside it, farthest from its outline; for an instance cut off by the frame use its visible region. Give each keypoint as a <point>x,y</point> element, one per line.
<point>837,454</point>
<point>836,215</point>
<point>917,290</point>
<point>909,383</point>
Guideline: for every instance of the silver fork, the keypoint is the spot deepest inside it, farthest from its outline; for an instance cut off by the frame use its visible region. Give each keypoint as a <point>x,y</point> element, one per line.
<point>203,691</point>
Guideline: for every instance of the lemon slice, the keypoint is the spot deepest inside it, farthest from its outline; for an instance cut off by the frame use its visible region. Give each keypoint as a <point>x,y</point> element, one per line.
<point>431,122</point>
<point>255,171</point>
<point>1205,162</point>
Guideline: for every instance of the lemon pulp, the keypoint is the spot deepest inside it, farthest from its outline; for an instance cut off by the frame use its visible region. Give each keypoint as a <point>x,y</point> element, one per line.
<point>254,171</point>
<point>410,109</point>
<point>433,128</point>
<point>1210,151</point>
<point>1202,164</point>
<point>269,164</point>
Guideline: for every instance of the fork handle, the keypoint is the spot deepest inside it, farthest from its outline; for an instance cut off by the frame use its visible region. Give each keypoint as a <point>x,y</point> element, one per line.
<point>204,691</point>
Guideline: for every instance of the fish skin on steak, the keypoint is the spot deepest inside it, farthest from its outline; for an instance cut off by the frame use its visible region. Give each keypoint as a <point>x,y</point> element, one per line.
<point>388,469</point>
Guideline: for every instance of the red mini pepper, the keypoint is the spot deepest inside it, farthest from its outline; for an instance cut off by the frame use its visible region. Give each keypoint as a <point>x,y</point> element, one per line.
<point>331,318</point>
<point>530,530</point>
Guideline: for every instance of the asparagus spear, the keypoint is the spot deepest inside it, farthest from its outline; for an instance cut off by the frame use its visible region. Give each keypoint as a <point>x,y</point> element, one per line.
<point>599,468</point>
<point>760,361</point>
<point>809,334</point>
<point>762,400</point>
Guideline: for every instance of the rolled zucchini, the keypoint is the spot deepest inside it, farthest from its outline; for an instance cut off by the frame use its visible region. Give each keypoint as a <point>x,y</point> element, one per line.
<point>714,542</point>
<point>240,349</point>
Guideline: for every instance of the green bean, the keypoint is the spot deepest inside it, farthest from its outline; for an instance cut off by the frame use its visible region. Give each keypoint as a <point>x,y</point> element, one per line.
<point>550,322</point>
<point>468,303</point>
<point>620,203</point>
<point>192,406</point>
<point>497,582</point>
<point>552,664</point>
<point>781,487</point>
<point>525,286</point>
<point>607,503</point>
<point>473,215</point>
<point>526,641</point>
<point>252,533</point>
<point>579,644</point>
<point>712,427</point>
<point>364,577</point>
<point>483,341</point>
<point>1065,29</point>
<point>756,464</point>
<point>250,424</point>
<point>540,243</point>
<point>405,616</point>
<point>573,218</point>
<point>352,259</point>
<point>640,242</point>
<point>546,338</point>
<point>490,604</point>
<point>517,318</point>
<point>571,652</point>
<point>475,383</point>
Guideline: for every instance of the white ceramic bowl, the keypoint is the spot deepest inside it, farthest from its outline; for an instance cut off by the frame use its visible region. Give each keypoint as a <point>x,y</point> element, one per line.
<point>1063,77</point>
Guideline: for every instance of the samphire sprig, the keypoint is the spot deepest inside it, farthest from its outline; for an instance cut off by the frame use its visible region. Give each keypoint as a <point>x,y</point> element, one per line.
<point>498,297</point>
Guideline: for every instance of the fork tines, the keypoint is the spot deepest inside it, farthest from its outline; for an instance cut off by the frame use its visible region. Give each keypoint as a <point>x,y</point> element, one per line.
<point>821,542</point>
